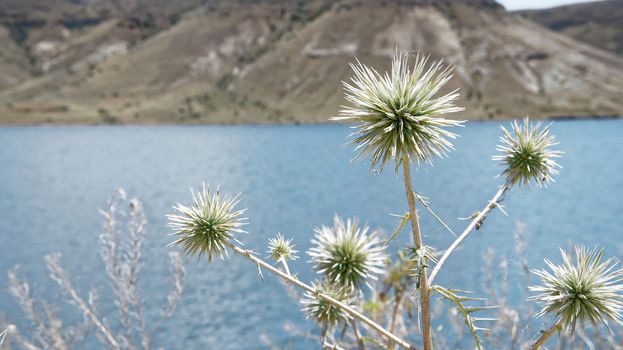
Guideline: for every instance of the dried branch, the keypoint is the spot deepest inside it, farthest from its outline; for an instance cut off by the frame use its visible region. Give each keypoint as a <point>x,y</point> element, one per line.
<point>60,276</point>
<point>131,261</point>
<point>121,255</point>
<point>12,333</point>
<point>117,267</point>
<point>21,291</point>
<point>3,336</point>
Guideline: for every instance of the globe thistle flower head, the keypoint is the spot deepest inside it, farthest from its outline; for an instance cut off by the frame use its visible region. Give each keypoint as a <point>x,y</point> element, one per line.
<point>398,114</point>
<point>321,310</point>
<point>588,291</point>
<point>281,249</point>
<point>208,225</point>
<point>526,154</point>
<point>346,254</point>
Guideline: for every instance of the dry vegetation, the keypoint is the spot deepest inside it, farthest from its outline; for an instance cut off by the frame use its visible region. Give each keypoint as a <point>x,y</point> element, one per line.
<point>121,252</point>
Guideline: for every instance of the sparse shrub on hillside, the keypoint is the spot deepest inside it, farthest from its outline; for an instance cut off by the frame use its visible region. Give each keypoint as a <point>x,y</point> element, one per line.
<point>106,117</point>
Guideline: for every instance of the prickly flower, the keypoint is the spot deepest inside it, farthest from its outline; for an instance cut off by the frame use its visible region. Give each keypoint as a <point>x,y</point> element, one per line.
<point>208,225</point>
<point>526,154</point>
<point>281,249</point>
<point>347,254</point>
<point>399,113</point>
<point>323,311</point>
<point>587,290</point>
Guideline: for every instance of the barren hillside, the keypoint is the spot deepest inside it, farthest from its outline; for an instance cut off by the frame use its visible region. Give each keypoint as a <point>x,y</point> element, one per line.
<point>598,23</point>
<point>281,61</point>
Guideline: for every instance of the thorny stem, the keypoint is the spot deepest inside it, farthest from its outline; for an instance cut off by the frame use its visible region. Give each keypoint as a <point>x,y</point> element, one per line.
<point>28,305</point>
<point>475,224</point>
<point>430,210</point>
<point>360,344</point>
<point>392,322</point>
<point>292,280</point>
<point>417,238</point>
<point>545,335</point>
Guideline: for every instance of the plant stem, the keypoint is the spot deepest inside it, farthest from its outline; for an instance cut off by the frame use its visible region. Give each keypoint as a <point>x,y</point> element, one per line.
<point>360,344</point>
<point>417,238</point>
<point>3,336</point>
<point>292,280</point>
<point>545,335</point>
<point>392,322</point>
<point>476,222</point>
<point>285,265</point>
<point>59,275</point>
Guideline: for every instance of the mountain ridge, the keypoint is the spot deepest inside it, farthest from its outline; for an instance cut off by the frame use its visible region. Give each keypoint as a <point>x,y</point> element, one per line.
<point>597,23</point>
<point>276,63</point>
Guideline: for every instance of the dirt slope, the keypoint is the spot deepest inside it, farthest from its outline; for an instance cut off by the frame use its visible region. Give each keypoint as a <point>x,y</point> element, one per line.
<point>278,61</point>
<point>597,23</point>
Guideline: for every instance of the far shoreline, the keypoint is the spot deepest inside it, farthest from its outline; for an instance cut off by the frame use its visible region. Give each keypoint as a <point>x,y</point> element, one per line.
<point>152,123</point>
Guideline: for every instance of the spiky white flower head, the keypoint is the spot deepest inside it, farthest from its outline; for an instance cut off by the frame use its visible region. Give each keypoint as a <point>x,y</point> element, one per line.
<point>397,114</point>
<point>588,291</point>
<point>208,225</point>
<point>346,254</point>
<point>281,249</point>
<point>323,311</point>
<point>526,154</point>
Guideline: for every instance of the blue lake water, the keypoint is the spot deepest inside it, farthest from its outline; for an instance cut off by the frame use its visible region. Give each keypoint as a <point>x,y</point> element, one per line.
<point>292,179</point>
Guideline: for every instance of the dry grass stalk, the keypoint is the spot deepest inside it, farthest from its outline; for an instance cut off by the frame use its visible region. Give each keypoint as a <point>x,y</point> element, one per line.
<point>121,254</point>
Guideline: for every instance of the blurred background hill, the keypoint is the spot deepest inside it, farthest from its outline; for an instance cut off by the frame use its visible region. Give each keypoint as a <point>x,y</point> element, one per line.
<point>248,61</point>
<point>597,23</point>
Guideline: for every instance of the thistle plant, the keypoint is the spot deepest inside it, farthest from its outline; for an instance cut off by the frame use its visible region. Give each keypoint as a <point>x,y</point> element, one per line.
<point>281,250</point>
<point>399,117</point>
<point>587,290</point>
<point>208,225</point>
<point>527,154</point>
<point>346,254</point>
<point>324,312</point>
<point>397,114</point>
<point>215,238</point>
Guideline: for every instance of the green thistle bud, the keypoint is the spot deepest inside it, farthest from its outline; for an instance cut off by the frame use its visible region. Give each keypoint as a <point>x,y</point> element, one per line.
<point>323,311</point>
<point>397,113</point>
<point>526,154</point>
<point>588,291</point>
<point>207,226</point>
<point>281,249</point>
<point>346,254</point>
